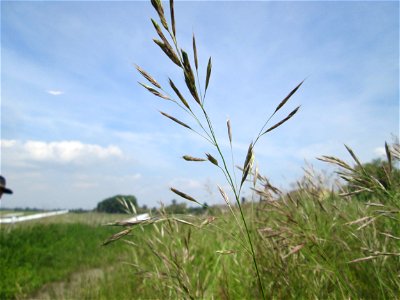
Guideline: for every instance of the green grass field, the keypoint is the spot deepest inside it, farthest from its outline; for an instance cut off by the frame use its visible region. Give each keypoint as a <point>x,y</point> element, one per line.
<point>305,247</point>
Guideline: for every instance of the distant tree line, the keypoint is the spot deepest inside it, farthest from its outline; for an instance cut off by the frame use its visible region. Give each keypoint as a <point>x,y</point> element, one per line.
<point>113,205</point>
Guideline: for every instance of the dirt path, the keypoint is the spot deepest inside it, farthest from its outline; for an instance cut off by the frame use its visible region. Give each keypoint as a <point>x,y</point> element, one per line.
<point>67,289</point>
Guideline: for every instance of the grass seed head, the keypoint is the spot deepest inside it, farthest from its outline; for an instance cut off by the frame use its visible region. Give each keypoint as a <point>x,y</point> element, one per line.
<point>191,158</point>
<point>175,120</point>
<point>209,67</point>
<point>154,91</point>
<point>178,93</point>
<point>183,195</point>
<point>283,102</point>
<point>282,121</point>
<point>171,9</point>
<point>228,125</point>
<point>212,159</point>
<point>168,51</point>
<point>224,195</point>
<point>189,77</point>
<point>157,4</point>
<point>148,77</point>
<point>196,63</point>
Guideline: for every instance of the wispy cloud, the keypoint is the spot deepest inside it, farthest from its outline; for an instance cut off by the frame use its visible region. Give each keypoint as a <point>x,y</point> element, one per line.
<point>55,92</point>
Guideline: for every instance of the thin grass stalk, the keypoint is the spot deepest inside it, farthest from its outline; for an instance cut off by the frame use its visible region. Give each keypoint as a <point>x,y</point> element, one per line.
<point>237,197</point>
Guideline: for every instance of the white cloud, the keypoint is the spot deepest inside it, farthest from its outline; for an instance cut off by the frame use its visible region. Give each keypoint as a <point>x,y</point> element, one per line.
<point>380,151</point>
<point>59,152</point>
<point>8,143</point>
<point>55,92</point>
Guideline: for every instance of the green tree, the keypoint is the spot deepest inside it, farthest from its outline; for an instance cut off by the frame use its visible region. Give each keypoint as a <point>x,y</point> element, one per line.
<point>113,204</point>
<point>387,176</point>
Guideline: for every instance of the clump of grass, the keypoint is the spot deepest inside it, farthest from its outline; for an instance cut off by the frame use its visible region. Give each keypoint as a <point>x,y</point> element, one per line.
<point>325,239</point>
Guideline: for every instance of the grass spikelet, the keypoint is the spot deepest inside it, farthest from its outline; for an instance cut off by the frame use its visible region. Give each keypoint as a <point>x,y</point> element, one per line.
<point>196,63</point>
<point>168,51</point>
<point>154,91</point>
<point>336,161</point>
<point>224,195</point>
<point>212,159</point>
<point>148,77</point>
<point>355,157</point>
<point>160,33</point>
<point>178,93</point>
<point>183,195</point>
<point>228,125</point>
<point>247,163</point>
<point>189,77</point>
<point>389,157</point>
<point>117,236</point>
<point>283,102</point>
<point>191,158</point>
<point>208,221</point>
<point>157,4</point>
<point>282,121</point>
<point>171,9</point>
<point>209,67</point>
<point>175,120</point>
<point>294,250</point>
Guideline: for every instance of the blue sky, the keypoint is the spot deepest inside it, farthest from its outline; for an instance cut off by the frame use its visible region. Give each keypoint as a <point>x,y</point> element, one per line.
<point>77,128</point>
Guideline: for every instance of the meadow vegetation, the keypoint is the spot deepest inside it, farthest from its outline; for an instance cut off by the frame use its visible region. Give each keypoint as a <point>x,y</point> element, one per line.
<point>322,240</point>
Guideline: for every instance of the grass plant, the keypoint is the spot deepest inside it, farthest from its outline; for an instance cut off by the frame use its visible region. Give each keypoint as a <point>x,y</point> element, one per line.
<point>202,124</point>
